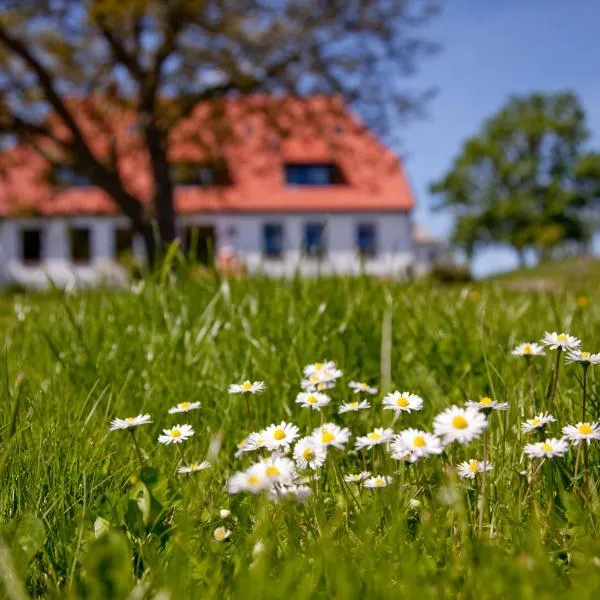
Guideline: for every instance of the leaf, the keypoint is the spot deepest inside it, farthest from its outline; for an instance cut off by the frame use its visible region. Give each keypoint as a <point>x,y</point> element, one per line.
<point>30,535</point>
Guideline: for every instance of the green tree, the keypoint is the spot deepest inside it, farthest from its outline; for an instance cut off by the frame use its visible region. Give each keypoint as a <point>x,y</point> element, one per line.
<point>163,57</point>
<point>525,179</point>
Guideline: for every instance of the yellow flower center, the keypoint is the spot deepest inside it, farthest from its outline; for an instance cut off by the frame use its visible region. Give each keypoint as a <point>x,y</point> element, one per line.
<point>546,447</point>
<point>527,349</point>
<point>279,434</point>
<point>354,404</point>
<point>327,437</point>
<point>535,422</point>
<point>485,401</point>
<point>314,378</point>
<point>246,386</point>
<point>312,400</point>
<point>585,429</point>
<point>473,466</point>
<point>272,471</point>
<point>176,433</point>
<point>585,355</point>
<point>402,402</point>
<point>459,422</point>
<point>318,366</point>
<point>380,481</point>
<point>194,467</point>
<point>253,480</point>
<point>321,387</point>
<point>419,441</point>
<point>308,454</point>
<point>184,405</point>
<point>374,435</point>
<point>219,534</point>
<point>130,419</point>
<point>562,337</point>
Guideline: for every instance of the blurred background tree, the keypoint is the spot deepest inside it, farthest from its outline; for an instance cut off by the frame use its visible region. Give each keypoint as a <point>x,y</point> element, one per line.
<point>163,57</point>
<point>525,180</point>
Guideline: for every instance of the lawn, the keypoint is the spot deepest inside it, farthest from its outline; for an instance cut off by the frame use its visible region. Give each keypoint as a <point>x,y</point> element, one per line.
<point>90,513</point>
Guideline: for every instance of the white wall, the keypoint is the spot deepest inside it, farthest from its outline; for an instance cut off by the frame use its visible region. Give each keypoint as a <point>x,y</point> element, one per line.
<point>395,249</point>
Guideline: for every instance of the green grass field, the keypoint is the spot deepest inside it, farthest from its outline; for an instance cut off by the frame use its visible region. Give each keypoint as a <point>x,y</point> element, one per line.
<point>80,518</point>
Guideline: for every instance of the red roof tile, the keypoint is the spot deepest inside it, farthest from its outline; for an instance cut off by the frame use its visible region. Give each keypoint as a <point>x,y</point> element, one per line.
<point>306,131</point>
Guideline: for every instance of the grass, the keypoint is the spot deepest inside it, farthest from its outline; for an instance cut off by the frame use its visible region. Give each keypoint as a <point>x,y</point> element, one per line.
<point>80,519</point>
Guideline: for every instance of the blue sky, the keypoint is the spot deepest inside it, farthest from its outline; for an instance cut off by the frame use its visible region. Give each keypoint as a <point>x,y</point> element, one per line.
<point>491,49</point>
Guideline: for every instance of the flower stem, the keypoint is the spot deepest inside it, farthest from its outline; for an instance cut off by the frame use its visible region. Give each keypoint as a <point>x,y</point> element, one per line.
<point>584,392</point>
<point>554,379</point>
<point>483,481</point>
<point>137,448</point>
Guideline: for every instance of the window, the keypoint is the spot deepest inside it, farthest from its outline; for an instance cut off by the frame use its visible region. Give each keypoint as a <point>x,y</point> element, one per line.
<point>123,241</point>
<point>188,173</point>
<point>366,239</point>
<point>273,240</point>
<point>314,239</point>
<point>31,245</point>
<point>312,174</point>
<point>80,244</point>
<point>65,176</point>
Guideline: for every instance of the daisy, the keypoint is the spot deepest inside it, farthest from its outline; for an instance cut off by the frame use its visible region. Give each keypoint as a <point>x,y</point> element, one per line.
<point>309,453</point>
<point>459,424</point>
<point>194,467</point>
<point>253,479</point>
<point>247,387</point>
<point>319,368</point>
<point>279,436</point>
<point>529,349</point>
<point>330,434</point>
<point>585,358</point>
<point>402,402</point>
<point>378,436</point>
<point>419,443</point>
<point>184,407</point>
<point>176,435</point>
<point>299,493</point>
<point>547,449</point>
<point>314,400</point>
<point>221,534</point>
<point>358,477</point>
<point>470,468</point>
<point>224,513</point>
<point>279,470</point>
<point>255,441</point>
<point>487,404</point>
<point>359,386</point>
<point>354,406</point>
<point>582,432</point>
<point>378,482</point>
<point>538,422</point>
<point>129,422</point>
<point>564,341</point>
<point>315,383</point>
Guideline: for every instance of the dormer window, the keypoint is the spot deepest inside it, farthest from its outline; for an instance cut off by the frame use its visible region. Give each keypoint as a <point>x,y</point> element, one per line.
<point>200,174</point>
<point>66,176</point>
<point>313,174</point>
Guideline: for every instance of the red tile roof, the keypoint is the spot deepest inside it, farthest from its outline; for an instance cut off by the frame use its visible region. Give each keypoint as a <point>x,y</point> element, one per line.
<point>255,150</point>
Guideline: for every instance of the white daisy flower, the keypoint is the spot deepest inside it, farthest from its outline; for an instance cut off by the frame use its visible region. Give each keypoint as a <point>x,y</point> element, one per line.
<point>537,422</point>
<point>330,434</point>
<point>414,503</point>
<point>184,407</point>
<point>224,513</point>
<point>319,368</point>
<point>529,349</point>
<point>314,400</point>
<point>582,432</point>
<point>564,341</point>
<point>360,386</point>
<point>378,436</point>
<point>192,468</point>
<point>129,422</point>
<point>309,453</point>
<point>547,449</point>
<point>470,468</point>
<point>254,441</point>
<point>298,493</point>
<point>585,358</point>
<point>176,435</point>
<point>247,387</point>
<point>358,477</point>
<point>279,469</point>
<point>459,424</point>
<point>315,383</point>
<point>419,443</point>
<point>279,436</point>
<point>402,402</point>
<point>253,479</point>
<point>378,481</point>
<point>403,454</point>
<point>221,534</point>
<point>487,404</point>
<point>354,406</point>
